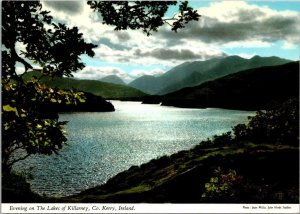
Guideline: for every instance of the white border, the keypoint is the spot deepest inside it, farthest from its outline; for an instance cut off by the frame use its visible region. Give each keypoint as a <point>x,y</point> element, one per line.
<point>148,208</point>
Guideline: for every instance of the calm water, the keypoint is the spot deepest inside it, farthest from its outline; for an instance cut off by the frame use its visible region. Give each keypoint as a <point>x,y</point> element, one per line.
<point>100,145</point>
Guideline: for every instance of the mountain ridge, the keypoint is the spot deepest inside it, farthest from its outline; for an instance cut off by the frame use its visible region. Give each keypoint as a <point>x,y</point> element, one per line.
<point>112,79</point>
<point>95,87</point>
<point>251,89</point>
<point>193,73</point>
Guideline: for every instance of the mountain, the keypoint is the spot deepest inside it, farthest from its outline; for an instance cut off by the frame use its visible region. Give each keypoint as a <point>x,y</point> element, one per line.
<point>113,79</point>
<point>194,73</point>
<point>103,89</point>
<point>252,89</point>
<point>145,83</point>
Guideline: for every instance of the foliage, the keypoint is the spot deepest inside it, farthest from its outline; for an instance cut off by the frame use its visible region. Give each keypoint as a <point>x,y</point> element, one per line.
<point>27,129</point>
<point>99,88</point>
<point>224,184</point>
<point>278,125</point>
<point>26,126</point>
<point>260,186</point>
<point>145,15</point>
<point>56,48</point>
<point>224,139</point>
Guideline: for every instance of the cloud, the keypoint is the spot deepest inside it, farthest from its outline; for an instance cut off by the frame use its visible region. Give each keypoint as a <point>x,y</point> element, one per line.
<point>96,73</point>
<point>226,22</point>
<point>71,7</point>
<point>177,54</point>
<point>155,56</point>
<point>122,36</point>
<point>222,25</point>
<point>288,46</point>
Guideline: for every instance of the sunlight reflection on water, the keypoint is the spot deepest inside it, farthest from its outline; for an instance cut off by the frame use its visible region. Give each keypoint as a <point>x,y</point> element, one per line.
<point>100,145</point>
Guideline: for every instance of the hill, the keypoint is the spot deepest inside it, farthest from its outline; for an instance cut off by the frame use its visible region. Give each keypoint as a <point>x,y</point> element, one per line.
<point>113,79</point>
<point>194,73</point>
<point>257,163</point>
<point>252,89</point>
<point>92,103</point>
<point>103,89</point>
<point>146,83</point>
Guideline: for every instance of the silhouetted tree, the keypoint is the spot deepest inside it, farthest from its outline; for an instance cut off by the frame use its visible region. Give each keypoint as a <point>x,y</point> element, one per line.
<point>145,15</point>
<point>27,129</point>
<point>56,49</point>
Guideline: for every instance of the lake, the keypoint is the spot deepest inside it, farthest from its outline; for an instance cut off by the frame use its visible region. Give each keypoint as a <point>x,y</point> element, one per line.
<point>102,144</point>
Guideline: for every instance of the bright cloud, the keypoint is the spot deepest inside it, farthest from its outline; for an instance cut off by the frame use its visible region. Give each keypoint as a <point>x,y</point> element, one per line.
<point>138,73</point>
<point>223,25</point>
<point>93,72</point>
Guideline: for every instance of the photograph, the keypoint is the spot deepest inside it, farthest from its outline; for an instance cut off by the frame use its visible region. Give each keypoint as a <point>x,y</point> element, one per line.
<point>150,106</point>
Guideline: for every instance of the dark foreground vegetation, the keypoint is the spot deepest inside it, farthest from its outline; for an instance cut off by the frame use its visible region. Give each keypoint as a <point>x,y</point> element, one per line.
<point>90,103</point>
<point>257,162</point>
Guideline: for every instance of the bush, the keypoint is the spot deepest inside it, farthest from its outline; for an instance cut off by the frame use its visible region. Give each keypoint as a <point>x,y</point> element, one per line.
<point>223,185</point>
<point>278,125</point>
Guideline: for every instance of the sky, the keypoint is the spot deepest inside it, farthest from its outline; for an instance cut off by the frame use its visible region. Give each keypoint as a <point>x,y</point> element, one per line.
<point>244,28</point>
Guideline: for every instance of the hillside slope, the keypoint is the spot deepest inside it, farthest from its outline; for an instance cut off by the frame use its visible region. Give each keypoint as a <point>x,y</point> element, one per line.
<point>198,72</point>
<point>194,73</point>
<point>113,79</point>
<point>146,83</point>
<point>103,89</point>
<point>250,89</point>
<point>254,164</point>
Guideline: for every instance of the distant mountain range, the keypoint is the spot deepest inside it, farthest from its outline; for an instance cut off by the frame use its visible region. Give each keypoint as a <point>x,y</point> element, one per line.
<point>194,73</point>
<point>252,89</point>
<point>146,83</point>
<point>113,79</point>
<point>99,88</point>
<point>184,75</point>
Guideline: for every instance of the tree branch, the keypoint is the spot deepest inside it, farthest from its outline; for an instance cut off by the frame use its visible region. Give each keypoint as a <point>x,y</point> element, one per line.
<point>9,165</point>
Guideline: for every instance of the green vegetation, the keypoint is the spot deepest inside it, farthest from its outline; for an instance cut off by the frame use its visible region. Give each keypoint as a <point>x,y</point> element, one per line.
<point>146,83</point>
<point>235,167</point>
<point>262,155</point>
<point>27,128</point>
<point>113,79</point>
<point>98,88</point>
<point>145,15</point>
<point>254,163</point>
<point>253,89</point>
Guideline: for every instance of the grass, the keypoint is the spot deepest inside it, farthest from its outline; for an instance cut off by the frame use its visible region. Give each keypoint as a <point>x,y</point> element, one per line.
<point>264,154</point>
<point>145,183</point>
<point>103,89</point>
<point>181,177</point>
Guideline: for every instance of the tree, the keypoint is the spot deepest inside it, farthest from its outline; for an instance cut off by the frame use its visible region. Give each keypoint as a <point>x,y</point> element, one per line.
<point>278,125</point>
<point>145,15</point>
<point>27,129</point>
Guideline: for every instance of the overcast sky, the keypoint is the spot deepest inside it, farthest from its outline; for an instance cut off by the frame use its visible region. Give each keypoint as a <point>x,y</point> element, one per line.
<point>244,28</point>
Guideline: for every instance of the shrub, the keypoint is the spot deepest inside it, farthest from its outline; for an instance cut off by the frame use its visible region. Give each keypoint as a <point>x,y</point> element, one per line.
<point>225,184</point>
<point>279,125</point>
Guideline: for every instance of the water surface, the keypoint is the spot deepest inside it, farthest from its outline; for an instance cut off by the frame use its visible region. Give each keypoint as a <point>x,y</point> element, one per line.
<point>100,145</point>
